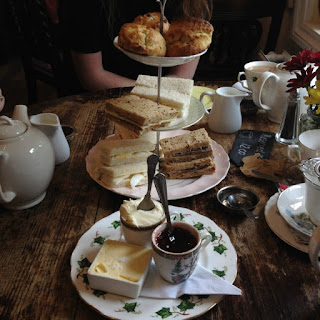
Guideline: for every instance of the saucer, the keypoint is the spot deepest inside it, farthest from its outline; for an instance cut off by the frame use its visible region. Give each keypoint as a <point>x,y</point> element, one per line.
<point>219,256</point>
<point>280,227</point>
<point>291,205</point>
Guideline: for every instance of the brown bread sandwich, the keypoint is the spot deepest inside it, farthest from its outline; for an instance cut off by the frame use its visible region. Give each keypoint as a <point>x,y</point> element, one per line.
<point>139,115</point>
<point>187,156</point>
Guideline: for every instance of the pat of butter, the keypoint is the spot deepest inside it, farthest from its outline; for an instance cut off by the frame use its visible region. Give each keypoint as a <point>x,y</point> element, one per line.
<point>130,213</point>
<point>121,260</point>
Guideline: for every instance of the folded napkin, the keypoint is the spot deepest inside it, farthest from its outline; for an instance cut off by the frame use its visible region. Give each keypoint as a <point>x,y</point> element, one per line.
<point>201,282</point>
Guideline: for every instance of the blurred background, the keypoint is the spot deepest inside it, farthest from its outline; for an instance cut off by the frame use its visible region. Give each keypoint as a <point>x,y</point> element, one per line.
<point>242,29</point>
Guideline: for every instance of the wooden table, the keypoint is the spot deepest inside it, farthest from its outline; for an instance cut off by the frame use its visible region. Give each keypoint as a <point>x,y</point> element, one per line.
<point>277,280</point>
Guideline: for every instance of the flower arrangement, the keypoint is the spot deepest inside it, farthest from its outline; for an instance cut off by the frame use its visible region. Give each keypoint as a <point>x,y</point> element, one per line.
<point>305,66</point>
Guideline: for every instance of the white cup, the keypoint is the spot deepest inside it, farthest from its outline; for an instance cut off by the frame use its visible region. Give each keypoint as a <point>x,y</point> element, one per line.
<point>308,146</point>
<point>252,71</point>
<point>176,267</point>
<point>312,198</point>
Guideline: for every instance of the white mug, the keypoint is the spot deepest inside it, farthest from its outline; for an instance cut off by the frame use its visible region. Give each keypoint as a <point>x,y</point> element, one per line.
<point>176,267</point>
<point>252,71</point>
<point>308,146</point>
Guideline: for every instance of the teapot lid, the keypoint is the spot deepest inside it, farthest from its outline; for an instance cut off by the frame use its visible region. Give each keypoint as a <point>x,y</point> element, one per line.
<point>11,128</point>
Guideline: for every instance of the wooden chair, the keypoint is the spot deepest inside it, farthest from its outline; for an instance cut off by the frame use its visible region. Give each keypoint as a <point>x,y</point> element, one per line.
<point>41,49</point>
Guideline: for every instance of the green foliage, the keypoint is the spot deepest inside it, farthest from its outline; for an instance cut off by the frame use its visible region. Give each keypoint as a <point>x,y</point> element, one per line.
<point>84,263</point>
<point>98,293</point>
<point>213,235</point>
<point>199,226</point>
<point>185,305</point>
<point>164,313</point>
<point>100,240</point>
<point>220,248</point>
<point>219,273</point>
<point>130,307</point>
<point>116,224</point>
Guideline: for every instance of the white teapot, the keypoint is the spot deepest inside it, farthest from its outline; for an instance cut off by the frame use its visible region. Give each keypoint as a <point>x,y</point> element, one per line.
<point>270,94</point>
<point>27,161</point>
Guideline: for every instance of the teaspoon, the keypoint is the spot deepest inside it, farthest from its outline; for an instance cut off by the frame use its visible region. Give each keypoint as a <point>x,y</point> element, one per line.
<point>161,186</point>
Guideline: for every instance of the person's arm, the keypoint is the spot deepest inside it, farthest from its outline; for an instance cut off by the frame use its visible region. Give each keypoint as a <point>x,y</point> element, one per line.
<point>93,76</point>
<point>186,70</point>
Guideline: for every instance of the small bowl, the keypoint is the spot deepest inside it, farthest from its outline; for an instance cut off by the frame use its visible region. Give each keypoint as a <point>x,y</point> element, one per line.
<point>110,258</point>
<point>250,202</point>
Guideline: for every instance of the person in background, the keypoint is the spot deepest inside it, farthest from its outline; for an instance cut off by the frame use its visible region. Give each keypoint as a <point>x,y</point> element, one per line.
<point>91,26</point>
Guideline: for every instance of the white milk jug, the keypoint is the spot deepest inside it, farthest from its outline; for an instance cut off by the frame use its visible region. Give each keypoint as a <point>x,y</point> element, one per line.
<point>225,115</point>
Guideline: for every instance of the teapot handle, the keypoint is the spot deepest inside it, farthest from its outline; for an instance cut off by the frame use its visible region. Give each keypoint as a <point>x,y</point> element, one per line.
<point>258,89</point>
<point>314,248</point>
<point>206,93</point>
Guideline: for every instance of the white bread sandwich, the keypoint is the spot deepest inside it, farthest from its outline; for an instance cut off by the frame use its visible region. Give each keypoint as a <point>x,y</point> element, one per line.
<point>187,156</point>
<point>139,115</point>
<point>181,85</point>
<point>126,151</point>
<point>174,92</point>
<point>125,175</point>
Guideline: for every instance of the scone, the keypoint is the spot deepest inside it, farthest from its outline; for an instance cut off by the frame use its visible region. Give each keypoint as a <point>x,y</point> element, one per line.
<point>188,36</point>
<point>152,20</point>
<point>140,39</point>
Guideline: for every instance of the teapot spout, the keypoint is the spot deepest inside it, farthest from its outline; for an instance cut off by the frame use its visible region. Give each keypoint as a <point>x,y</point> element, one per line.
<point>20,112</point>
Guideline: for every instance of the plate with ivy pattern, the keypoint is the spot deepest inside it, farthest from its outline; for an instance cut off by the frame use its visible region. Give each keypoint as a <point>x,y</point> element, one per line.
<point>219,256</point>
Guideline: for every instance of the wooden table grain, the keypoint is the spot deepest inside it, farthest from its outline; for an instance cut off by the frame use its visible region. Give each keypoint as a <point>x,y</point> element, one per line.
<point>277,280</point>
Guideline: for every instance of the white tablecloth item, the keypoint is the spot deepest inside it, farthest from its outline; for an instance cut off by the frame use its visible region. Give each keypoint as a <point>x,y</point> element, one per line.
<point>201,282</point>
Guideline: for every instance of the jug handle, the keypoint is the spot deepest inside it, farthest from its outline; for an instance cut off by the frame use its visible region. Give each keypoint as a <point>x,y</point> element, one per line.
<point>257,94</point>
<point>314,248</point>
<point>206,93</point>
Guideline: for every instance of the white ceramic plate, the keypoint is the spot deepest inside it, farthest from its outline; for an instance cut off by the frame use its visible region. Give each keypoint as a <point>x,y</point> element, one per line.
<point>196,112</point>
<point>219,256</point>
<point>278,225</point>
<point>177,188</point>
<point>291,205</point>
<point>158,61</point>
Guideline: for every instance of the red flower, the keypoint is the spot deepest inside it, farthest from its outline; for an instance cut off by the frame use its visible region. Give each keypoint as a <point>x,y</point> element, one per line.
<point>302,80</point>
<point>299,61</point>
<point>315,58</point>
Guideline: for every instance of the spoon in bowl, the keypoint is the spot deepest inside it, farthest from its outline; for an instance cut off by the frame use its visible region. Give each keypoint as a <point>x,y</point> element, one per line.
<point>242,202</point>
<point>161,186</point>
